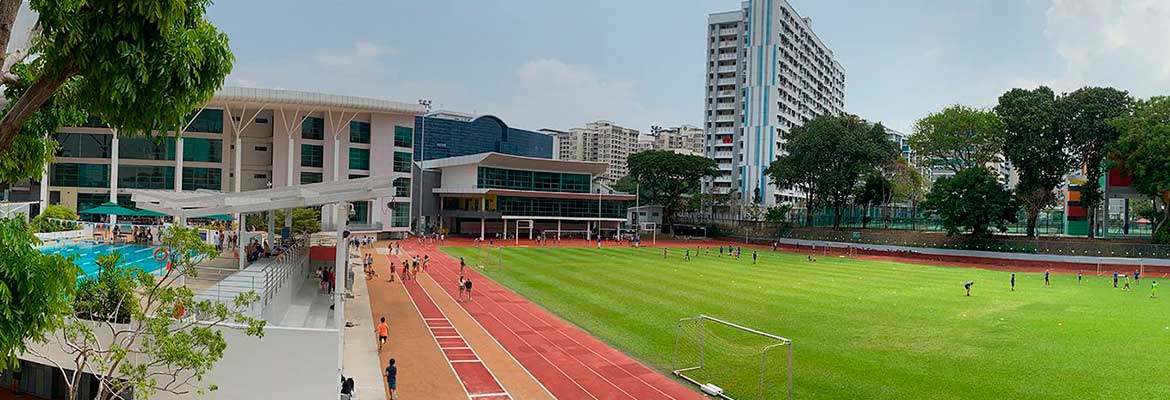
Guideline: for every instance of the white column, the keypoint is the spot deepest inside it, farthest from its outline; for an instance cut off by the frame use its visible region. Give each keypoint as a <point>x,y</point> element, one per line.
<point>271,228</point>
<point>114,174</point>
<point>336,158</point>
<point>340,266</point>
<point>179,164</point>
<point>239,160</point>
<point>45,186</point>
<point>288,218</point>
<point>240,240</point>
<point>558,229</point>
<point>482,222</point>
<point>289,178</point>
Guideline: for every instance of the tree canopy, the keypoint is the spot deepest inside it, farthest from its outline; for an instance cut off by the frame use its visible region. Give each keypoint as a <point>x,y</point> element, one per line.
<point>665,176</point>
<point>958,137</point>
<point>875,191</point>
<point>1035,143</point>
<point>827,156</point>
<point>28,310</point>
<point>1143,149</point>
<point>972,200</point>
<point>1088,112</point>
<point>304,220</point>
<point>46,221</point>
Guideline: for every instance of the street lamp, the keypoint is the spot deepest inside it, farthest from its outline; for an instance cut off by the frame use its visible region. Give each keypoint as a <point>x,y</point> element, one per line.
<point>422,133</point>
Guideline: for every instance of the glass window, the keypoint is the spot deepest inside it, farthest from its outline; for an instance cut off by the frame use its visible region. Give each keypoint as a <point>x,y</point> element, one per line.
<point>403,136</point>
<point>402,187</point>
<point>202,150</point>
<point>401,161</point>
<point>146,148</point>
<point>359,132</point>
<point>208,121</point>
<point>359,158</point>
<point>313,128</point>
<point>80,175</point>
<point>146,177</point>
<point>361,212</point>
<point>535,206</point>
<point>202,178</point>
<point>400,216</point>
<point>310,177</point>
<point>83,145</point>
<point>498,178</point>
<point>357,176</point>
<point>311,155</point>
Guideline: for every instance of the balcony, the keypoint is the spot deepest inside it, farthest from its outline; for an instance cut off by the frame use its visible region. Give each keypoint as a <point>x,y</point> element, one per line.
<point>728,43</point>
<point>724,118</point>
<point>721,155</point>
<point>725,81</point>
<point>724,131</point>
<point>728,56</point>
<point>726,69</point>
<point>725,106</point>
<point>725,93</point>
<point>728,32</point>
<point>723,179</point>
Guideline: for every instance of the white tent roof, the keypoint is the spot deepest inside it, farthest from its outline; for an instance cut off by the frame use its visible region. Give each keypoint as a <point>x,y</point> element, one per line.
<point>201,203</point>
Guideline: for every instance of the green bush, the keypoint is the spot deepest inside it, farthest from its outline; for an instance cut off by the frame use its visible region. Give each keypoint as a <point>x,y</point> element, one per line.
<point>42,223</point>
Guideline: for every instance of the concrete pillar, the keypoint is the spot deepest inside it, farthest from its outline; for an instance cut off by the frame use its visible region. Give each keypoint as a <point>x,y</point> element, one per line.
<point>340,265</point>
<point>505,229</point>
<point>288,218</point>
<point>45,186</point>
<point>558,230</point>
<point>271,228</point>
<point>239,161</point>
<point>114,174</point>
<point>179,164</point>
<point>243,259</point>
<point>482,223</point>
<point>289,180</point>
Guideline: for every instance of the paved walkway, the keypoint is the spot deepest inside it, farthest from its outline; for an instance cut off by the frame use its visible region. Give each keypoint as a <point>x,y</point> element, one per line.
<point>570,363</point>
<point>361,360</point>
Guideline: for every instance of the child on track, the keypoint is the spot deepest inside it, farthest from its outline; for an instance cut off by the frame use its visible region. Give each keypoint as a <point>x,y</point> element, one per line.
<point>391,271</point>
<point>967,287</point>
<point>460,287</point>
<point>467,288</point>
<point>383,332</point>
<point>461,265</point>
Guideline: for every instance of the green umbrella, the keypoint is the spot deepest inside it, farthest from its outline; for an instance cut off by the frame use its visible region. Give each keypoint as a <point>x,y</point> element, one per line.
<point>110,208</point>
<point>220,217</point>
<point>148,213</point>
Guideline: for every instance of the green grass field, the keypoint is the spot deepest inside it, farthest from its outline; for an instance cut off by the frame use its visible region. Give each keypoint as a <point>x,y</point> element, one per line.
<point>867,329</point>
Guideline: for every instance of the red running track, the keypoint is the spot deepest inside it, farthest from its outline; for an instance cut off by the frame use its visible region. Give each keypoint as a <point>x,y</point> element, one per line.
<point>570,363</point>
<point>477,380</point>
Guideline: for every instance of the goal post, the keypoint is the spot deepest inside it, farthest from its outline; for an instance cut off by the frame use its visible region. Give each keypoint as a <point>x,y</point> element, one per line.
<point>731,361</point>
<point>491,256</point>
<point>653,228</point>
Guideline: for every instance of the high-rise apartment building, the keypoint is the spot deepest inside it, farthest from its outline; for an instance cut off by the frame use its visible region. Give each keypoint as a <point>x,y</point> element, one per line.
<point>600,141</point>
<point>767,72</point>
<point>686,139</point>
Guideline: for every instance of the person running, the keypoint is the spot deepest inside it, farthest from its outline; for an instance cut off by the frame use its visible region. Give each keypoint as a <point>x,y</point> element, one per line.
<point>392,378</point>
<point>426,262</point>
<point>1126,287</point>
<point>1047,282</point>
<point>460,287</point>
<point>967,287</point>
<point>755,255</point>
<point>392,268</point>
<point>467,287</point>
<point>462,264</point>
<point>1153,289</point>
<point>1115,279</point>
<point>383,332</point>
<point>1013,281</point>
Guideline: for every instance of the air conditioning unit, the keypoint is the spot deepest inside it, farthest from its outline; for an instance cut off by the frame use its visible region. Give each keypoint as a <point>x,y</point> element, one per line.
<point>711,389</point>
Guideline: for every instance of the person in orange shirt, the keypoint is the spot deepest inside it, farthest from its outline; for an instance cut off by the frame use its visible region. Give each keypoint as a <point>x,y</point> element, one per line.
<point>383,333</point>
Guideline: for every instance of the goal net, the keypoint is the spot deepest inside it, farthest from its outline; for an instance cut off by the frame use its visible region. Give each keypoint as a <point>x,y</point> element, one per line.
<point>565,235</point>
<point>490,257</point>
<point>730,361</point>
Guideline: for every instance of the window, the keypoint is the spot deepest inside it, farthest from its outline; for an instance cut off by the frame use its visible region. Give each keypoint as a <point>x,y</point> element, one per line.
<point>311,155</point>
<point>400,214</point>
<point>310,177</point>
<point>83,145</point>
<point>361,212</point>
<point>208,121</point>
<point>80,175</point>
<point>498,178</point>
<point>146,177</point>
<point>403,136</point>
<point>359,132</point>
<point>202,150</point>
<point>402,187</point>
<point>313,128</point>
<point>401,161</point>
<point>356,176</point>
<point>261,120</point>
<point>202,178</point>
<point>259,176</point>
<point>359,159</point>
<point>146,148</point>
<point>535,206</point>
<point>260,148</point>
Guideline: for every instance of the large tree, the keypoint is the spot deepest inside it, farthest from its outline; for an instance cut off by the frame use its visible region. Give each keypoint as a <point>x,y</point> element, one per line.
<point>958,137</point>
<point>828,155</point>
<point>1035,143</point>
<point>665,176</point>
<point>875,191</point>
<point>138,66</point>
<point>972,200</point>
<point>1087,114</point>
<point>1144,151</point>
<point>32,288</point>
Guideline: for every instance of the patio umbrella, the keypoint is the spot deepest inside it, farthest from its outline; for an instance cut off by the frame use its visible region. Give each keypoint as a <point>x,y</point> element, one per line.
<point>110,208</point>
<point>148,213</point>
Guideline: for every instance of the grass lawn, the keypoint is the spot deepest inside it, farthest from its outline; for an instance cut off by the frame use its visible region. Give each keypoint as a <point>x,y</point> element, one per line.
<point>867,329</point>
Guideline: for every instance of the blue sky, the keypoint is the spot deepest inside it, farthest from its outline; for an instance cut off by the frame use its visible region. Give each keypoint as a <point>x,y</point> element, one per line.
<point>559,64</point>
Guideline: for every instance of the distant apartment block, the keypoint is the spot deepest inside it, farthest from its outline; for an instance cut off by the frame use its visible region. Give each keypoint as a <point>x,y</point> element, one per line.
<point>685,139</point>
<point>767,72</point>
<point>600,141</point>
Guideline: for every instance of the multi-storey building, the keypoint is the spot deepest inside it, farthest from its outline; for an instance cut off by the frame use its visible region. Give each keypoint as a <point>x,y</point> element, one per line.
<point>247,139</point>
<point>767,72</point>
<point>686,139</point>
<point>600,141</point>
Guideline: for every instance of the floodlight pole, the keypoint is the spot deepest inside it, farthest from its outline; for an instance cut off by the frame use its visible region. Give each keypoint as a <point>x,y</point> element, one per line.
<point>340,273</point>
<point>422,133</point>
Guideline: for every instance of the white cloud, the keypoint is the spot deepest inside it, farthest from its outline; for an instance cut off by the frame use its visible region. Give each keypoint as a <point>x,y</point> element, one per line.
<point>362,58</point>
<point>1111,42</point>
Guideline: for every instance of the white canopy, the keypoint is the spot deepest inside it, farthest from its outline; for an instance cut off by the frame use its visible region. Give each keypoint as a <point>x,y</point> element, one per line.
<point>201,203</point>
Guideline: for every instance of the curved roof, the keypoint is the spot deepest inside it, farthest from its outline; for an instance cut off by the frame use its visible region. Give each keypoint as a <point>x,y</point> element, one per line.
<point>230,94</point>
<point>501,160</point>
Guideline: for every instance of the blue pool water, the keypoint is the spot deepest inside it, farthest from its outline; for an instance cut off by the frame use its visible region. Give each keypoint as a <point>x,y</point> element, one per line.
<point>87,253</point>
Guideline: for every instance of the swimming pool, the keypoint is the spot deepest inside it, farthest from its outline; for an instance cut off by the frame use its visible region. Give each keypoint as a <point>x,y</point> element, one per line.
<point>88,252</point>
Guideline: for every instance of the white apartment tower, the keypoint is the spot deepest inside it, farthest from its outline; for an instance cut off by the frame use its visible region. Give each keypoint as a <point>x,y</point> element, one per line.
<point>600,141</point>
<point>767,72</point>
<point>685,139</point>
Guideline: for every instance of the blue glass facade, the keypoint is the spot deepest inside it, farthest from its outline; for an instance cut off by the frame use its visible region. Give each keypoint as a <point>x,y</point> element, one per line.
<point>452,138</point>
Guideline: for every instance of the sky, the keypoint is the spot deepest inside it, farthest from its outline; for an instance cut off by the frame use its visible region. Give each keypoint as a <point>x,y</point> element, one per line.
<point>559,64</point>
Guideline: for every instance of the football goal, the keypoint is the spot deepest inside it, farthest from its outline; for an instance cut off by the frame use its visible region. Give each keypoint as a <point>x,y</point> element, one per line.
<point>565,235</point>
<point>731,361</point>
<point>491,256</point>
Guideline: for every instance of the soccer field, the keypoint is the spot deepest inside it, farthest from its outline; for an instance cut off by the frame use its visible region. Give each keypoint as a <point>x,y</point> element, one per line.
<point>862,328</point>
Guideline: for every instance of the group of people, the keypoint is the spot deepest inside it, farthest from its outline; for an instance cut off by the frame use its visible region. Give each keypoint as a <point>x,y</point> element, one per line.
<point>1117,277</point>
<point>141,235</point>
<point>328,279</point>
<point>368,266</point>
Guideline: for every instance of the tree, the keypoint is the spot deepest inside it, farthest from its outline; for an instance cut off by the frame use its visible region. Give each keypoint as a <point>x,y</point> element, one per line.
<point>778,213</point>
<point>304,220</point>
<point>665,176</point>
<point>907,182</point>
<point>1035,142</point>
<point>27,277</point>
<point>971,200</point>
<point>139,66</point>
<point>1143,150</point>
<point>828,155</point>
<point>875,191</point>
<point>143,335</point>
<point>1088,112</point>
<point>958,137</point>
<point>50,219</point>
